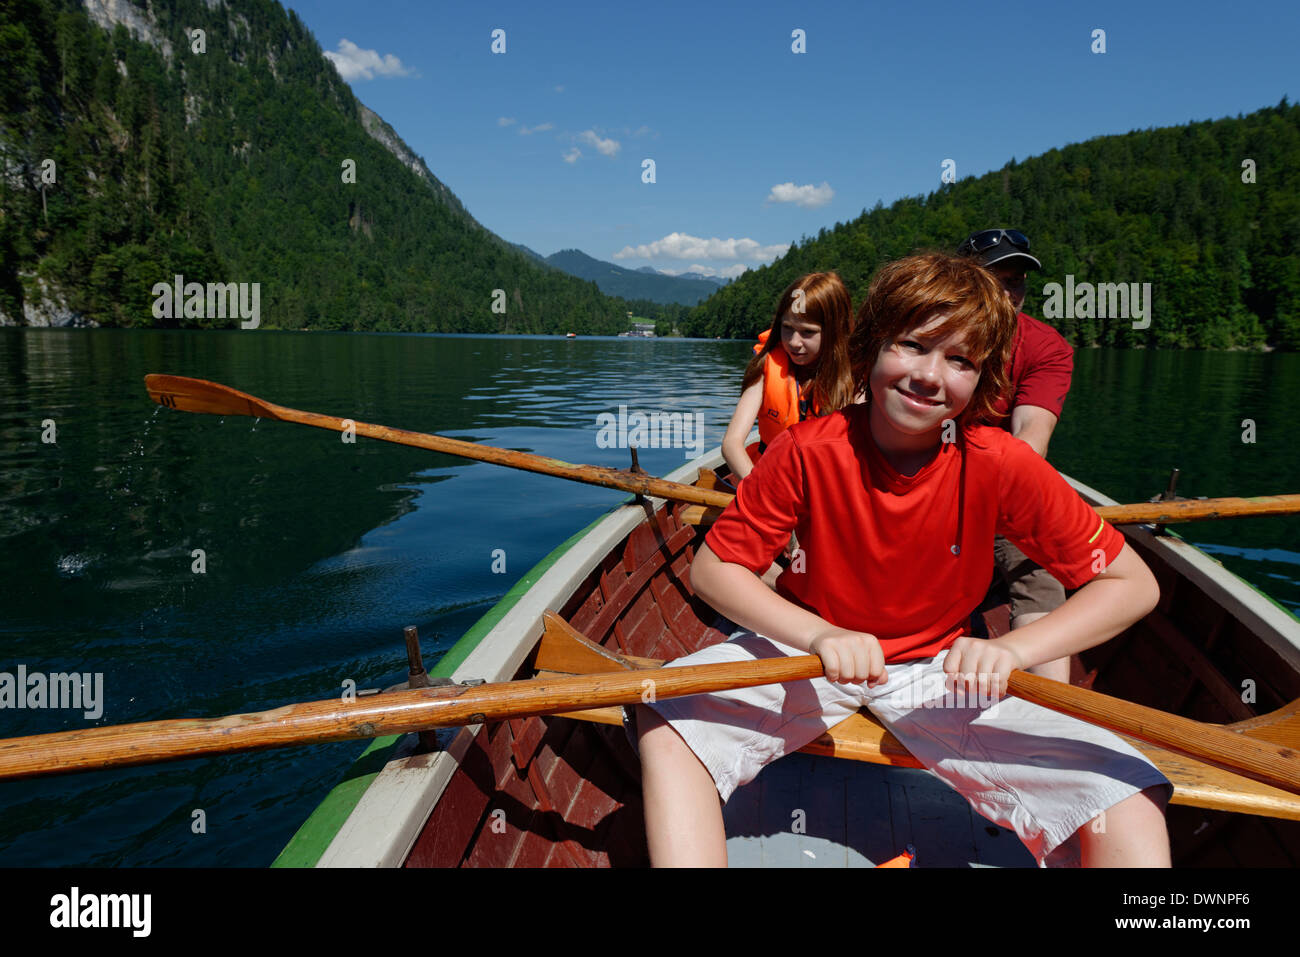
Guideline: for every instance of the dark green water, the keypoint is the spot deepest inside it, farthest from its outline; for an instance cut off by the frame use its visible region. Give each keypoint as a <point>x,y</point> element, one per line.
<point>318,552</point>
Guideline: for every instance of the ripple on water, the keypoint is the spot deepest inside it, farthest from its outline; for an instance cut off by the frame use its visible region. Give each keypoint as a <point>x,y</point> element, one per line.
<point>15,521</point>
<point>72,566</point>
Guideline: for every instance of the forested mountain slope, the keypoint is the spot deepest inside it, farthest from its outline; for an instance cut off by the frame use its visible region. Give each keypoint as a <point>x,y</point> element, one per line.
<point>1180,208</point>
<point>131,156</point>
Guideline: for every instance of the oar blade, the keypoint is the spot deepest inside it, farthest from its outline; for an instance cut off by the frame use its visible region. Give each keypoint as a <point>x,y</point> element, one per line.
<point>200,395</point>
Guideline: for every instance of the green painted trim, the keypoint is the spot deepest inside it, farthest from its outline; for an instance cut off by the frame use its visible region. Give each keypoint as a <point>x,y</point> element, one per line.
<point>1273,601</point>
<point>458,652</point>
<point>322,826</point>
<point>310,840</point>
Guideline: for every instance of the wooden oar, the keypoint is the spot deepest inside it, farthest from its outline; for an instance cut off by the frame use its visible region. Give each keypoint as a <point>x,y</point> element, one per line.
<point>565,650</point>
<point>1140,513</point>
<point>1263,748</point>
<point>393,713</point>
<point>1267,752</point>
<point>199,395</point>
<point>1199,509</point>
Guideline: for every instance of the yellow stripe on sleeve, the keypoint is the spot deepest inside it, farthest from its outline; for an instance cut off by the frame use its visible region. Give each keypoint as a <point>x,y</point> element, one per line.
<point>1097,532</point>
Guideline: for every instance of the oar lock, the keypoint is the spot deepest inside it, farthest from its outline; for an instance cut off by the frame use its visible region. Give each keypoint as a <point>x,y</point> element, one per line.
<point>417,677</point>
<point>1170,494</point>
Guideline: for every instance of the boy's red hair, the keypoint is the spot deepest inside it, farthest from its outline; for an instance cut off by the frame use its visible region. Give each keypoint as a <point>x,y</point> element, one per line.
<point>826,301</point>
<point>903,293</point>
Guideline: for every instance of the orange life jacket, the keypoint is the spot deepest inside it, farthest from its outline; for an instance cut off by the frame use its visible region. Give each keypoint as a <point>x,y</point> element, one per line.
<point>780,408</point>
<point>906,859</point>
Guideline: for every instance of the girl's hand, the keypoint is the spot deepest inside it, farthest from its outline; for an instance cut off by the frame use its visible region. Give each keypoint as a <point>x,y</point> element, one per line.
<point>850,657</point>
<point>981,665</point>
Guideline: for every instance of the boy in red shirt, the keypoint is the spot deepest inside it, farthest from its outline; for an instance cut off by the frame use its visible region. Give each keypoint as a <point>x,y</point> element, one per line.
<point>896,504</point>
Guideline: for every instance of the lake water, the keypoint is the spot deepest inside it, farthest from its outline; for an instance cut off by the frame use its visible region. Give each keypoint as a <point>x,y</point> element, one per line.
<point>317,552</point>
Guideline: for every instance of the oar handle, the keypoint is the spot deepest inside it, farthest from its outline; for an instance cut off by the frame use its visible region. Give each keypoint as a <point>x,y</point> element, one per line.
<point>404,711</point>
<point>394,713</point>
<point>1140,513</point>
<point>1199,509</point>
<point>1273,764</point>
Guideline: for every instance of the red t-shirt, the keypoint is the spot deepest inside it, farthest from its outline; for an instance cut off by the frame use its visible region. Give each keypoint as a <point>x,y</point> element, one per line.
<point>877,545</point>
<point>1041,365</point>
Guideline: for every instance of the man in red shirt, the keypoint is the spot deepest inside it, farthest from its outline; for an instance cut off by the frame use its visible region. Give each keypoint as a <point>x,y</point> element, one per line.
<point>1041,364</point>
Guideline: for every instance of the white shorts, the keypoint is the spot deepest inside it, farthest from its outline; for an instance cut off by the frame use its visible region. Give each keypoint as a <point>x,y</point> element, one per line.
<point>1038,772</point>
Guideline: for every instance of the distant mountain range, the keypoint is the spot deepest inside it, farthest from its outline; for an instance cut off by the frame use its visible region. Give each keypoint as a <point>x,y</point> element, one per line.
<point>643,283</point>
<point>716,280</point>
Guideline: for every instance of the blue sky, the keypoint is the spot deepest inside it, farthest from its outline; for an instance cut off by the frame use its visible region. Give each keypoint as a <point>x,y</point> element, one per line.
<point>755,145</point>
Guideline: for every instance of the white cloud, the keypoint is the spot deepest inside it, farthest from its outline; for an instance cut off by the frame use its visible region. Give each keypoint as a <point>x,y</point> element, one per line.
<point>810,197</point>
<point>539,128</point>
<point>505,121</point>
<point>571,156</point>
<point>354,63</point>
<point>602,146</point>
<point>559,89</point>
<point>684,246</point>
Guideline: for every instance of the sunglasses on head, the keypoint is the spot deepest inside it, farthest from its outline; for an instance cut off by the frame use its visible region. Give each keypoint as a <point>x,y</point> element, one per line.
<point>989,238</point>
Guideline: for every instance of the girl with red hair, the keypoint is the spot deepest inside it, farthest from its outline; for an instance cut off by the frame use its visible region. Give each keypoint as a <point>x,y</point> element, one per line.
<point>800,369</point>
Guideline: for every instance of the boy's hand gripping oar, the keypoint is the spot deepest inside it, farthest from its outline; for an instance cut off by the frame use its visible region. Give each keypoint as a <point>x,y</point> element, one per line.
<point>199,395</point>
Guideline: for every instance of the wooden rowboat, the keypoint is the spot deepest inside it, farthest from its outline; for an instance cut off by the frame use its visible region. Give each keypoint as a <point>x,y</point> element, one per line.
<point>565,790</point>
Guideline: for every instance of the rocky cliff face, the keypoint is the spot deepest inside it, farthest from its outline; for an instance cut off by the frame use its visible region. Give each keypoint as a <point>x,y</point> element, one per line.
<point>386,136</point>
<point>141,25</point>
<point>45,306</point>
